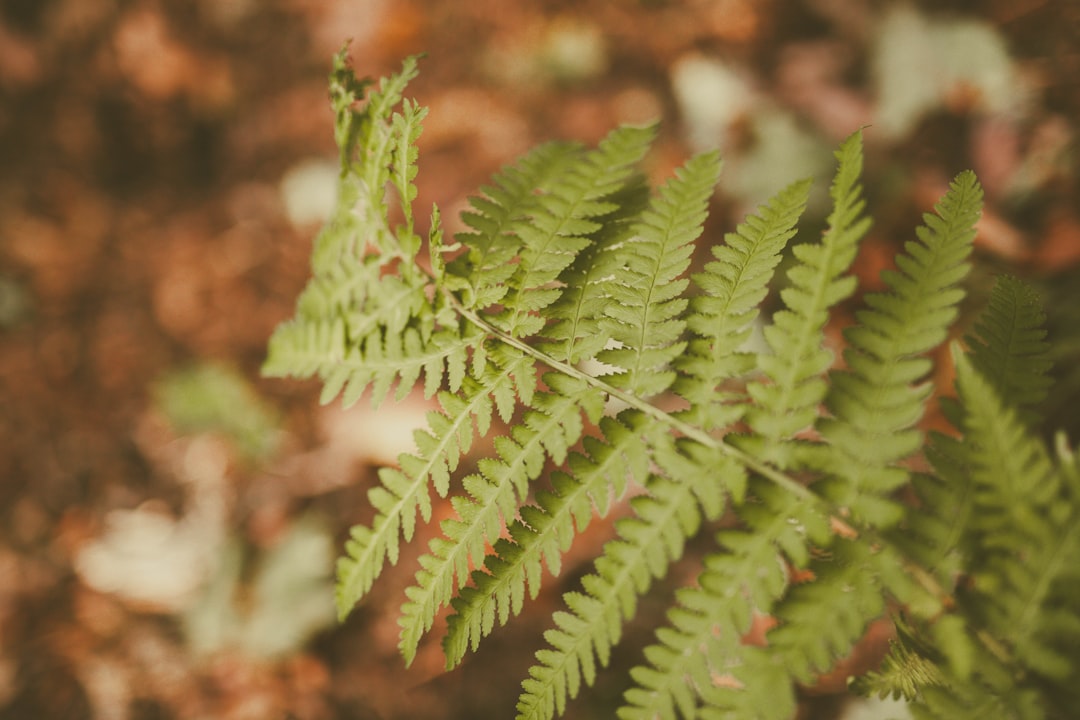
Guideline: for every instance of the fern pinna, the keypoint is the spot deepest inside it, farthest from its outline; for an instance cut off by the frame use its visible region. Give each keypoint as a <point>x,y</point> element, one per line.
<point>568,312</point>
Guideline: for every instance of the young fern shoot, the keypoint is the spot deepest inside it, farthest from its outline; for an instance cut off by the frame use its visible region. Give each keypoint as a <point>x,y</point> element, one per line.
<point>572,288</point>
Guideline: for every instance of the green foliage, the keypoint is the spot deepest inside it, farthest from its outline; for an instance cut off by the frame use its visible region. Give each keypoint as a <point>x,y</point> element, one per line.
<point>217,399</point>
<point>569,310</point>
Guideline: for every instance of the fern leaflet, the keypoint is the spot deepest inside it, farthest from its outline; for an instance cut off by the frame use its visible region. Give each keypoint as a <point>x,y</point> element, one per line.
<point>547,528</point>
<point>548,430</point>
<point>787,402</point>
<point>1007,347</point>
<point>875,402</point>
<point>494,242</point>
<point>561,224</point>
<point>575,334</point>
<point>712,617</point>
<point>648,542</point>
<point>403,492</point>
<point>643,316</point>
<point>734,284</point>
<point>1018,494</point>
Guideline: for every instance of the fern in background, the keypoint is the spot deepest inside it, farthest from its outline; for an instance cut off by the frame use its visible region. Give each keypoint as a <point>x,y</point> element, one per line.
<point>568,314</point>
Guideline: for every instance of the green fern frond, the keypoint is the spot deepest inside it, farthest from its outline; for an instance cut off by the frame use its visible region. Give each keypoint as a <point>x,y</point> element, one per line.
<point>350,308</point>
<point>384,360</point>
<point>643,317</point>
<point>352,330</point>
<point>546,529</point>
<point>1032,536</point>
<point>346,90</point>
<point>999,510</point>
<point>575,332</point>
<point>406,130</point>
<point>911,666</point>
<point>876,402</point>
<point>710,619</point>
<point>368,138</point>
<point>1012,468</point>
<point>385,146</point>
<point>786,402</point>
<point>493,497</point>
<point>350,315</point>
<point>734,285</point>
<point>562,222</point>
<point>402,492</point>
<point>585,634</point>
<point>1008,346</point>
<point>761,683</point>
<point>567,298</point>
<point>497,215</point>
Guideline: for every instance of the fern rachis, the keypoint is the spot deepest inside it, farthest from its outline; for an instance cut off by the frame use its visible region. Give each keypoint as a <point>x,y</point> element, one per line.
<point>570,258</point>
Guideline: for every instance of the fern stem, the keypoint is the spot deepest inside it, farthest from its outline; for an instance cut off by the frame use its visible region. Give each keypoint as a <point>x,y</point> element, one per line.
<point>749,461</point>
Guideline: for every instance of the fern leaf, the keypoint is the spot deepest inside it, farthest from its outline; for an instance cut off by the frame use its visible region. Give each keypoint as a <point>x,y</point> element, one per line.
<point>937,532</point>
<point>876,402</point>
<point>549,429</point>
<point>646,296</point>
<point>398,358</point>
<point>710,619</point>
<point>370,135</point>
<point>341,308</point>
<point>498,214</point>
<point>377,138</point>
<point>787,401</point>
<point>575,335</point>
<point>1008,346</point>
<point>1032,537</point>
<point>911,666</point>
<point>446,565</point>
<point>406,131</point>
<point>562,222</point>
<point>380,104</point>
<point>303,348</point>
<point>987,688</point>
<point>1013,467</point>
<point>972,701</point>
<point>734,284</point>
<point>403,492</point>
<point>648,542</point>
<point>351,308</point>
<point>760,684</point>
<point>569,263</point>
<point>546,529</point>
<point>346,91</point>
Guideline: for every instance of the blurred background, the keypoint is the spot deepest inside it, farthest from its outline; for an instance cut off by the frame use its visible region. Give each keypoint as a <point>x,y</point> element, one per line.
<point>168,520</point>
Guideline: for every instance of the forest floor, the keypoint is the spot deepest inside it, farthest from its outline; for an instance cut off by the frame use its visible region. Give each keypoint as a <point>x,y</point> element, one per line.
<point>168,520</point>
